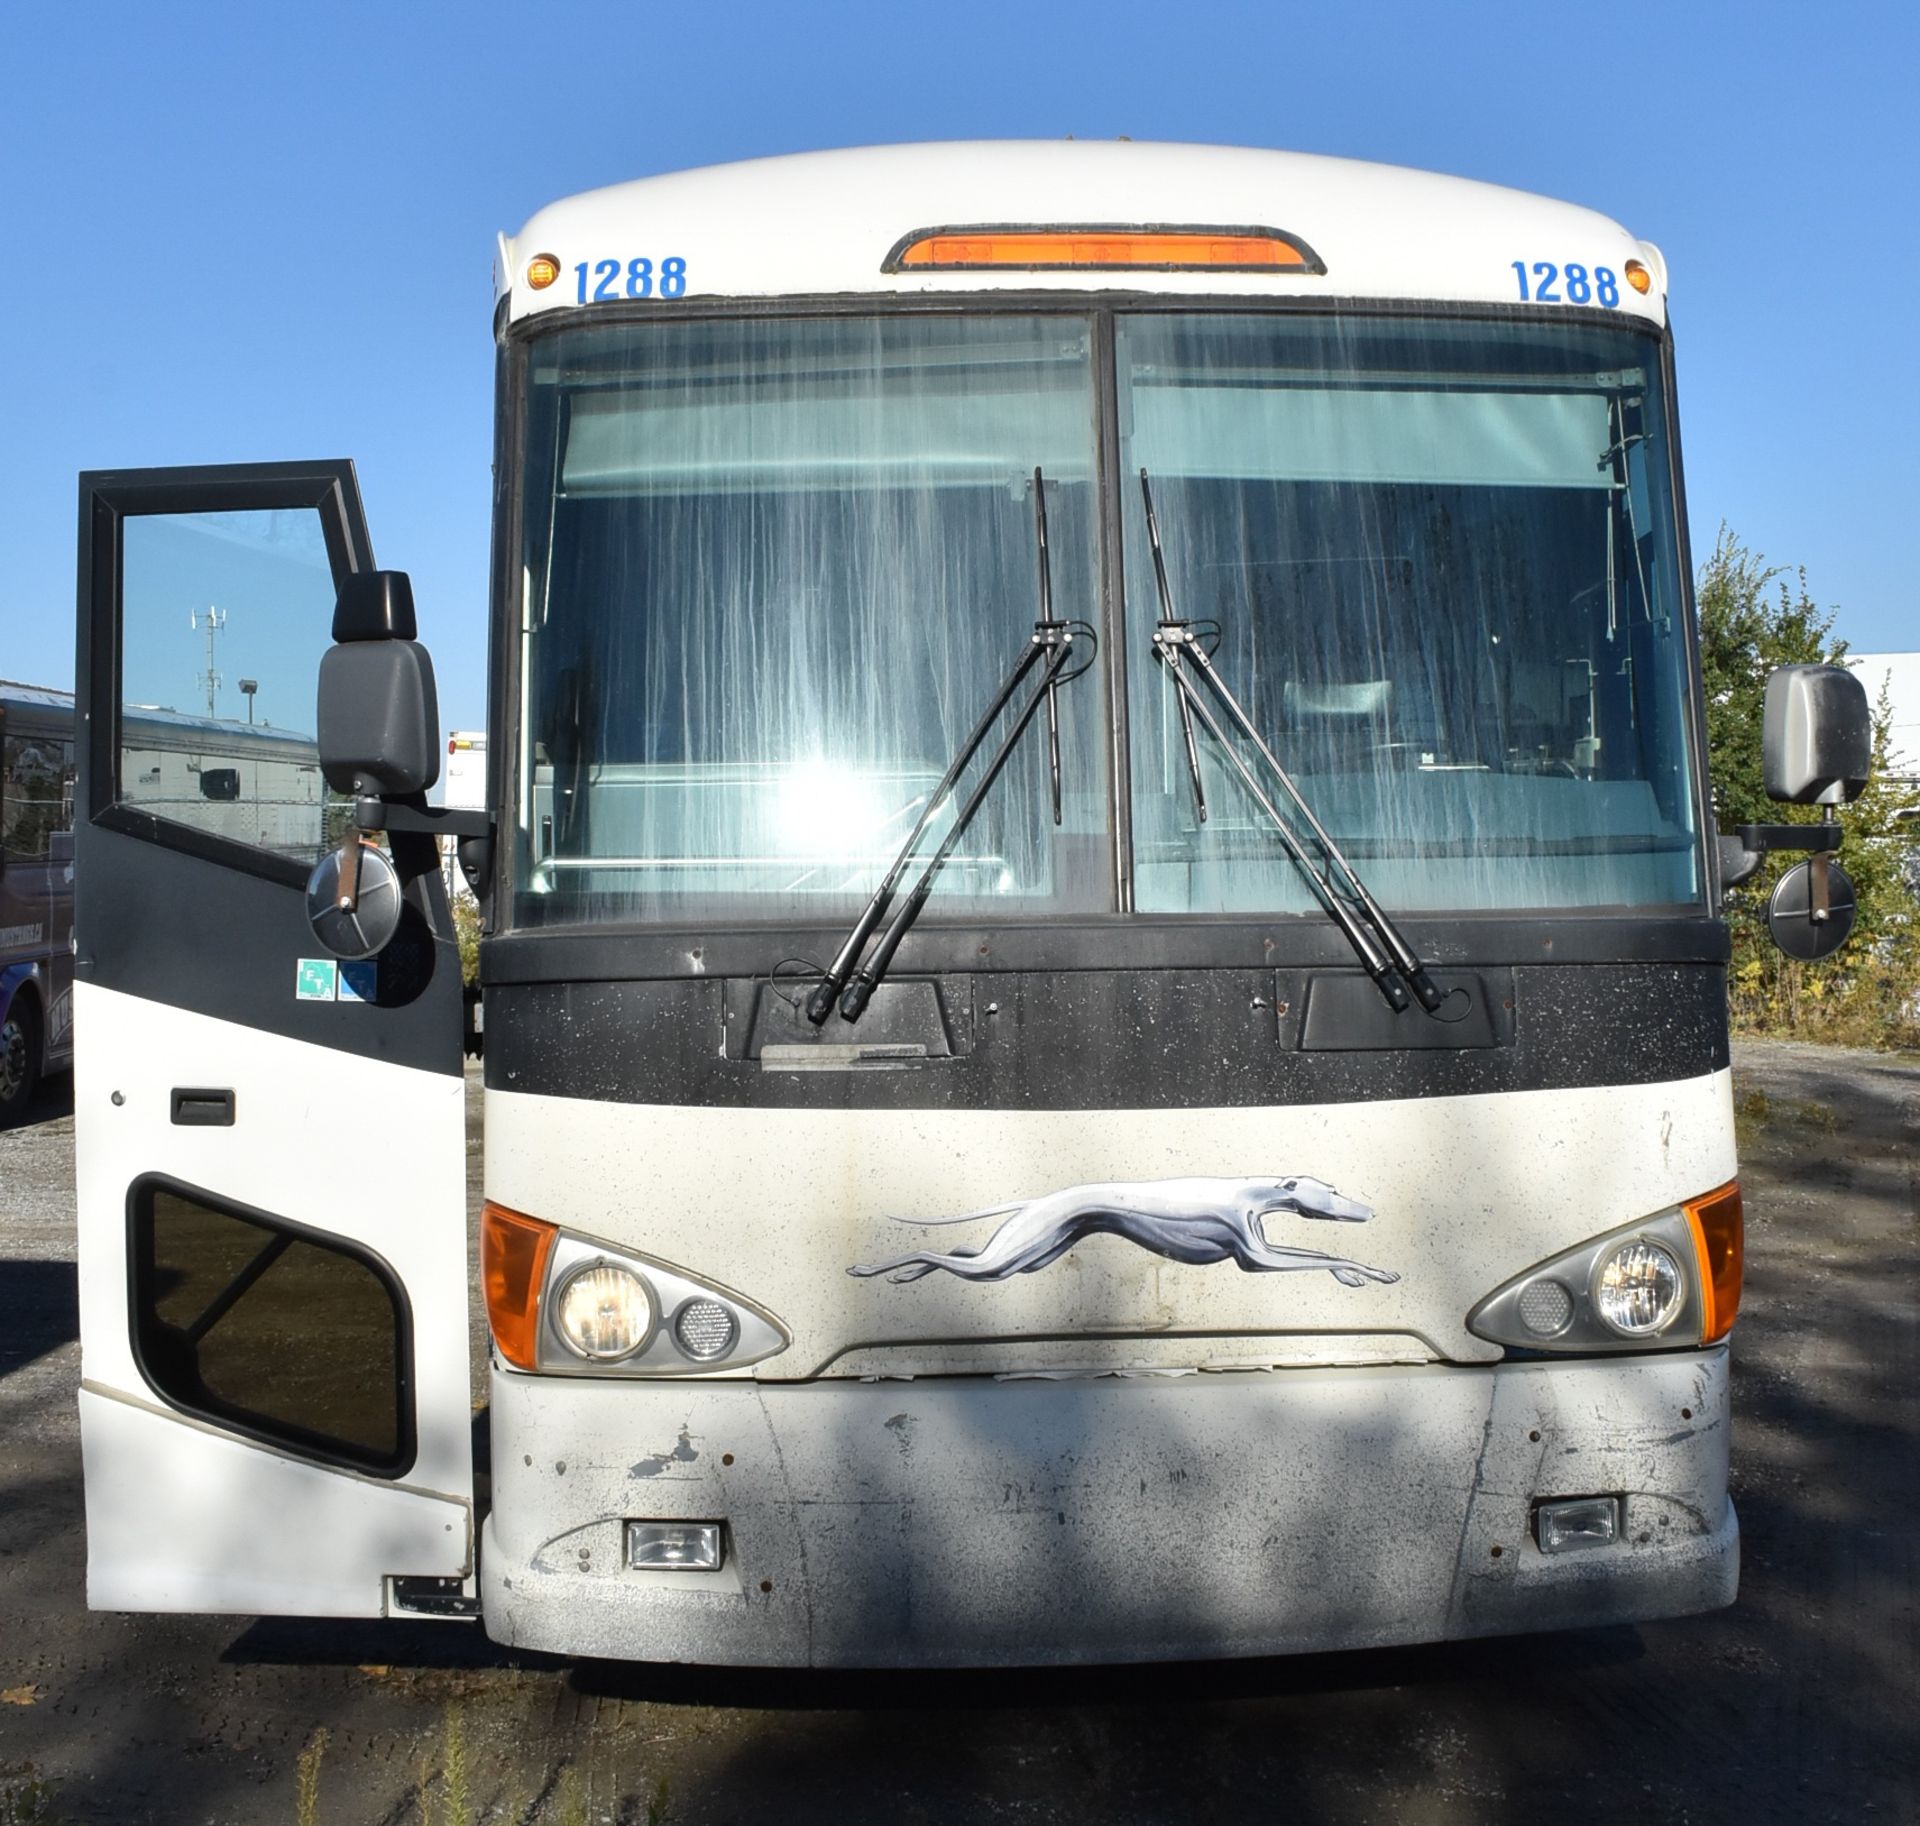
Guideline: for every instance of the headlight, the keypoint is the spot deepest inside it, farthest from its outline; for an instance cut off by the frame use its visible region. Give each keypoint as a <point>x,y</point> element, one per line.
<point>1640,1289</point>
<point>604,1313</point>
<point>603,1310</point>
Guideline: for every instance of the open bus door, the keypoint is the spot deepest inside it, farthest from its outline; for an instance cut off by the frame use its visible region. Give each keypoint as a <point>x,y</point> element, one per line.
<point>275,1410</point>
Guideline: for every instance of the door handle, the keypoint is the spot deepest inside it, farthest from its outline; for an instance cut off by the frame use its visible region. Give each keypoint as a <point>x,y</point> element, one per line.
<point>202,1109</point>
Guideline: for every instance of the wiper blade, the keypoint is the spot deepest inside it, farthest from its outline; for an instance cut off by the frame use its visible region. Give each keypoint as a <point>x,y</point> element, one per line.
<point>1050,646</point>
<point>1383,953</point>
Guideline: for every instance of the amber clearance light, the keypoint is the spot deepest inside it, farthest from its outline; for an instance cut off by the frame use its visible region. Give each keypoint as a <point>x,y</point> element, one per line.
<point>1167,250</point>
<point>1719,1241</point>
<point>542,270</point>
<point>513,1268</point>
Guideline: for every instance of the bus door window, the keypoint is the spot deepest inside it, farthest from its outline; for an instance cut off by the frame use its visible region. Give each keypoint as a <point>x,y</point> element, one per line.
<point>208,598</point>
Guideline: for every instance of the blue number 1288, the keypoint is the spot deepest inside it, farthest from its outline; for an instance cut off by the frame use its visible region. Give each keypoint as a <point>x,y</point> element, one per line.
<point>599,280</point>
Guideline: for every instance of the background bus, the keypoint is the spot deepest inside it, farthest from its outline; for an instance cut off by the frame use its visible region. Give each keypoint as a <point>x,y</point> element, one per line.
<point>36,890</point>
<point>251,783</point>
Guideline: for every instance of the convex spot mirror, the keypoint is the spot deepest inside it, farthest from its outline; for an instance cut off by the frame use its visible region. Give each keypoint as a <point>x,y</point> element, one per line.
<point>354,900</point>
<point>1817,740</point>
<point>1802,920</point>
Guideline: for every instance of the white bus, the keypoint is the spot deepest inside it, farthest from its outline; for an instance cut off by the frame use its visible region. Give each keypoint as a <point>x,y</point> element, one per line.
<point>1106,1024</point>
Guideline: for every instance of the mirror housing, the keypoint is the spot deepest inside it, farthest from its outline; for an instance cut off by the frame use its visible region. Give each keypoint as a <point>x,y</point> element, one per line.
<point>378,717</point>
<point>1817,739</point>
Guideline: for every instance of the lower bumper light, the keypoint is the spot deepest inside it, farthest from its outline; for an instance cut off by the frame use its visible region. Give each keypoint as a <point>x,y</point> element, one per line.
<point>1586,1521</point>
<point>675,1546</point>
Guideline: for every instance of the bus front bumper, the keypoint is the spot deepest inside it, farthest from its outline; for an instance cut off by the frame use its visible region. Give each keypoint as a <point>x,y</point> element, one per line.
<point>964,1521</point>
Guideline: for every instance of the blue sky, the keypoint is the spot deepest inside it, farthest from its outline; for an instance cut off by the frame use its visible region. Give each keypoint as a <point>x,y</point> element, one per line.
<point>251,232</point>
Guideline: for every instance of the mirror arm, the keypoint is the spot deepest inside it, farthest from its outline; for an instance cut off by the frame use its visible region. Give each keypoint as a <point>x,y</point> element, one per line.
<point>1746,846</point>
<point>1760,838</point>
<point>472,830</point>
<point>419,818</point>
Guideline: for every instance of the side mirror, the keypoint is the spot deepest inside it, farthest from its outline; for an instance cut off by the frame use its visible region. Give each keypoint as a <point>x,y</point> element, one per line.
<point>378,716</point>
<point>378,723</point>
<point>1817,739</point>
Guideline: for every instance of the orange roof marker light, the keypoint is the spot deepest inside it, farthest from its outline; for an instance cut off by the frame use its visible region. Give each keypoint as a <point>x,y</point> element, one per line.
<point>1114,248</point>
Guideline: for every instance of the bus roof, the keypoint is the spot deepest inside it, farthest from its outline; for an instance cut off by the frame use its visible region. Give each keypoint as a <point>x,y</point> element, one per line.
<point>39,697</point>
<point>827,223</point>
<point>158,725</point>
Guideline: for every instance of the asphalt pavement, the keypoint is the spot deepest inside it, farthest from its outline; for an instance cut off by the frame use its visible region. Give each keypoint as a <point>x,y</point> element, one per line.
<point>1801,1703</point>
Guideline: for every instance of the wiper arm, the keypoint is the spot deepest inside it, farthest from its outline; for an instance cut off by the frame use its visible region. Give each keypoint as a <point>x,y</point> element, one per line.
<point>1050,646</point>
<point>1383,953</point>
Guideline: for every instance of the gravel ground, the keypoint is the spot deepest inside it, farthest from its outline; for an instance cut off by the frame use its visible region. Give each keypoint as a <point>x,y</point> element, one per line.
<point>1799,1704</point>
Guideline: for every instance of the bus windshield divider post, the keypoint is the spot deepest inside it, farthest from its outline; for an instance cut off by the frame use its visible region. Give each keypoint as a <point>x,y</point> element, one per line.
<point>1051,643</point>
<point>1384,954</point>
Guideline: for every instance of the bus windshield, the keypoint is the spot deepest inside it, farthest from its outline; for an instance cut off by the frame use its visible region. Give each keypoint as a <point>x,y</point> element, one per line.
<point>774,568</point>
<point>1439,565</point>
<point>775,572</point>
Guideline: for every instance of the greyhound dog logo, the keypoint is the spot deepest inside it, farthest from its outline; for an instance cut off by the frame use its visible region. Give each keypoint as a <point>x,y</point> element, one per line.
<point>1199,1221</point>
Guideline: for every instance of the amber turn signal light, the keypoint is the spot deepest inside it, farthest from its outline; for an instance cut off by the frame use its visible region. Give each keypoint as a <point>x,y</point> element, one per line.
<point>1234,250</point>
<point>513,1268</point>
<point>1719,1241</point>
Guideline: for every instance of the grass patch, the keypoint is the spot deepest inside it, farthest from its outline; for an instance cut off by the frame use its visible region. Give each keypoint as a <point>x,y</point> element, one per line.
<point>26,1798</point>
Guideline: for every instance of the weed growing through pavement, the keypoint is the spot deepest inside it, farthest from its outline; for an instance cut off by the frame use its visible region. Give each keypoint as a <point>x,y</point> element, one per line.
<point>306,1777</point>
<point>26,1800</point>
<point>453,1763</point>
<point>428,1813</point>
<point>452,1804</point>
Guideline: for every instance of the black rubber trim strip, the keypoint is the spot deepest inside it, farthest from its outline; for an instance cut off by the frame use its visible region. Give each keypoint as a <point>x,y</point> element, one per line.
<point>606,954</point>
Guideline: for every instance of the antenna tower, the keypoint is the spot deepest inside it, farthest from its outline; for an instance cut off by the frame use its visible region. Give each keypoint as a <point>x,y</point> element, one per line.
<point>213,622</point>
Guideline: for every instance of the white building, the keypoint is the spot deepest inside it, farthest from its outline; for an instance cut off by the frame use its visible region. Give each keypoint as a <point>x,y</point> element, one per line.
<point>1899,673</point>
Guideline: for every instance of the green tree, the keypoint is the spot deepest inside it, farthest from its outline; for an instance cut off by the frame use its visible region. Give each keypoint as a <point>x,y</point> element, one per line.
<point>466,932</point>
<point>1754,617</point>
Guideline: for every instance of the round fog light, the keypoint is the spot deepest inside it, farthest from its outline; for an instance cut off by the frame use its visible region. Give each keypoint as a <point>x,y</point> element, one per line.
<point>1640,1289</point>
<point>604,1313</point>
<point>704,1330</point>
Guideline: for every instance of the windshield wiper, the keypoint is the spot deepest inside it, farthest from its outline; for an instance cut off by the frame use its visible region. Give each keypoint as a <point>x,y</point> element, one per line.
<point>1376,940</point>
<point>1050,646</point>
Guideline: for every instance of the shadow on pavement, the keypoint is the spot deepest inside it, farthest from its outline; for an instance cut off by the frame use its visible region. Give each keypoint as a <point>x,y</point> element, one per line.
<point>52,1100</point>
<point>451,1647</point>
<point>39,1310</point>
